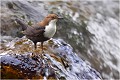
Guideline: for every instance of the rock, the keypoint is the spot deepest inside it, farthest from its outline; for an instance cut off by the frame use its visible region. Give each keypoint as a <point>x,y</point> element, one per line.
<point>19,60</point>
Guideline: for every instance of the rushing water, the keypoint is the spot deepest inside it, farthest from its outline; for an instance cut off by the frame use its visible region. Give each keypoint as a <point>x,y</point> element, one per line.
<point>97,40</point>
<point>102,51</point>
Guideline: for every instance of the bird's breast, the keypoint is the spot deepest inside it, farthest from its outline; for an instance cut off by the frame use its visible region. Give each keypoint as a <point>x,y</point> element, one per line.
<point>50,31</point>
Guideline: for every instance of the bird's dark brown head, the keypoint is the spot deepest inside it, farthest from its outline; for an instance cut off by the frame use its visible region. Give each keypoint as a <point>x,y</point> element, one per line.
<point>52,16</point>
<point>49,18</point>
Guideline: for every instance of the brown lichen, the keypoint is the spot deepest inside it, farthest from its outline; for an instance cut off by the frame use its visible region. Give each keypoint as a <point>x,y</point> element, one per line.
<point>7,72</point>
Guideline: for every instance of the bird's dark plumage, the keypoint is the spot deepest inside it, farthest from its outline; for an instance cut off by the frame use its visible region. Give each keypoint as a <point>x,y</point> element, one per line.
<point>22,24</point>
<point>34,33</point>
<point>41,31</point>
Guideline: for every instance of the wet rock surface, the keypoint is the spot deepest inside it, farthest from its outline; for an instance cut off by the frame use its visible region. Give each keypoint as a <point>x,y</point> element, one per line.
<point>57,62</point>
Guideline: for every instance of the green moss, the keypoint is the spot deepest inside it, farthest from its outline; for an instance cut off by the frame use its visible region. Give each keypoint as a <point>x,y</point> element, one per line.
<point>62,78</point>
<point>30,23</point>
<point>23,16</point>
<point>50,42</point>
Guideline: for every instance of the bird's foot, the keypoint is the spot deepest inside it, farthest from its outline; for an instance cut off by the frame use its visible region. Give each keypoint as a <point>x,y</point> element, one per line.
<point>43,52</point>
<point>35,53</point>
<point>44,48</point>
<point>35,57</point>
<point>39,52</point>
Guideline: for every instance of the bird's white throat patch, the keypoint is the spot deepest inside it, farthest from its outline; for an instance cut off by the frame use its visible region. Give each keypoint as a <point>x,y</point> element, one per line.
<point>50,29</point>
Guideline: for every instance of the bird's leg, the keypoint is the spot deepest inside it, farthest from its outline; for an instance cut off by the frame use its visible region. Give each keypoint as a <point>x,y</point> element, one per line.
<point>35,45</point>
<point>42,47</point>
<point>34,51</point>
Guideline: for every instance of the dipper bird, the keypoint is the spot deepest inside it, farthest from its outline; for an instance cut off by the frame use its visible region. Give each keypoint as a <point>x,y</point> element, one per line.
<point>41,31</point>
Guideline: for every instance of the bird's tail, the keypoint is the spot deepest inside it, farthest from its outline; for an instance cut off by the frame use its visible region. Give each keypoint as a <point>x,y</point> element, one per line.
<point>22,24</point>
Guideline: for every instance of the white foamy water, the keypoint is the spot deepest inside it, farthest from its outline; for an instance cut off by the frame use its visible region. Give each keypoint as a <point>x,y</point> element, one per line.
<point>106,42</point>
<point>102,20</point>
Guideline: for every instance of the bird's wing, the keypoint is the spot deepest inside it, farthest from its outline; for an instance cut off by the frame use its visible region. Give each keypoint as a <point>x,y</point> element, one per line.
<point>22,24</point>
<point>34,31</point>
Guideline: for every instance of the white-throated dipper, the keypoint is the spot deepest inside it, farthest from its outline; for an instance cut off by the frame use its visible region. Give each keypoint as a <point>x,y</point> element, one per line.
<point>42,31</point>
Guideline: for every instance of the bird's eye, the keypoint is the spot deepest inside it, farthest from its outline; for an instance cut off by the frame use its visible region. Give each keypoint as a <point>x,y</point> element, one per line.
<point>53,17</point>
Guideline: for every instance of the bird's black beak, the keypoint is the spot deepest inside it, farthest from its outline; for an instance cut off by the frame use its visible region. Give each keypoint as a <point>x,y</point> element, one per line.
<point>60,17</point>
